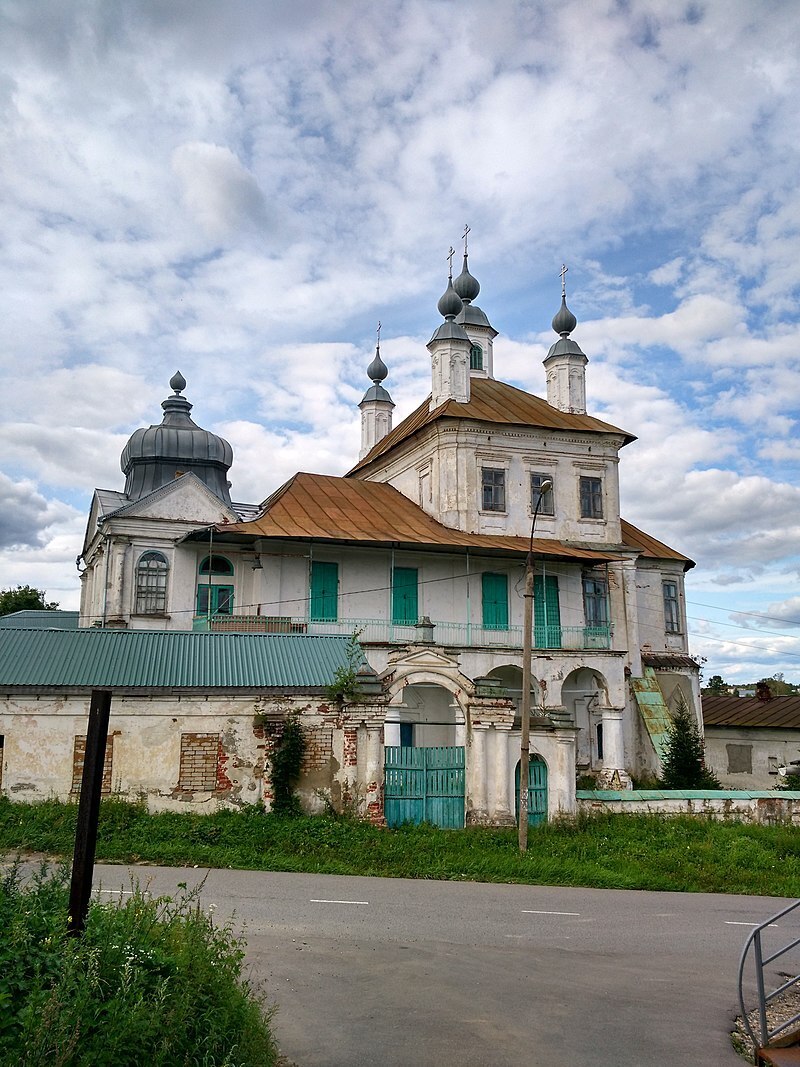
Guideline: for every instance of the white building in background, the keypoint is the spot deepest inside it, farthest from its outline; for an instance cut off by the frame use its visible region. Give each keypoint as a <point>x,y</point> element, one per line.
<point>420,549</point>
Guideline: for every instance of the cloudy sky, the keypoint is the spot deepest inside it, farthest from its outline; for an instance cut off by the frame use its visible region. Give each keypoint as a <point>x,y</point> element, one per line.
<point>241,189</point>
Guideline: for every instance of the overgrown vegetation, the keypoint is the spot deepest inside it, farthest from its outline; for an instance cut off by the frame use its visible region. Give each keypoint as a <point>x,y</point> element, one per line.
<point>345,687</point>
<point>152,981</point>
<point>683,765</point>
<point>285,763</point>
<point>608,851</point>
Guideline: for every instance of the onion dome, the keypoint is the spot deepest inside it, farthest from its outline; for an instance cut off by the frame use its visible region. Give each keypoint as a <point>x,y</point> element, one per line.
<point>564,321</point>
<point>377,372</point>
<point>156,455</point>
<point>466,285</point>
<point>449,302</point>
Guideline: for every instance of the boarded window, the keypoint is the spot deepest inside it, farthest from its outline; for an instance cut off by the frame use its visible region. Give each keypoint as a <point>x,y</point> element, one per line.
<point>324,591</point>
<point>495,601</point>
<point>79,757</point>
<point>199,759</point>
<point>546,612</point>
<point>740,759</point>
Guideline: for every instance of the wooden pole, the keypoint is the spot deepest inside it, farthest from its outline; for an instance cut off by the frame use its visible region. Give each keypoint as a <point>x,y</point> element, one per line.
<point>88,811</point>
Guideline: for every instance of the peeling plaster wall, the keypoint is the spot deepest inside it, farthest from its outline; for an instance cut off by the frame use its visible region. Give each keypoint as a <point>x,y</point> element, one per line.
<point>40,734</point>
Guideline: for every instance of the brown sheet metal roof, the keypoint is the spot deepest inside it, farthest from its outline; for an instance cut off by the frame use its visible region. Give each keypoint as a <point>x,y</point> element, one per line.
<point>492,401</point>
<point>781,712</point>
<point>648,546</point>
<point>322,507</point>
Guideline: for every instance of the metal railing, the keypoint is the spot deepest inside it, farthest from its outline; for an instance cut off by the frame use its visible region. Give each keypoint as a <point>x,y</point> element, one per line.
<point>754,942</point>
<point>383,631</point>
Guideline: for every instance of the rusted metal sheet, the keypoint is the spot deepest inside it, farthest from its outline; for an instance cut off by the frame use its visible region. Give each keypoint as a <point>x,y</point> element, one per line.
<point>654,711</point>
<point>497,402</point>
<point>750,711</point>
<point>347,509</point>
<point>649,546</point>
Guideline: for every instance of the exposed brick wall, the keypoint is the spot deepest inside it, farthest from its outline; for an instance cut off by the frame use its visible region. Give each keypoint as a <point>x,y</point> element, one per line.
<point>223,781</point>
<point>351,747</point>
<point>79,756</point>
<point>319,747</point>
<point>199,763</point>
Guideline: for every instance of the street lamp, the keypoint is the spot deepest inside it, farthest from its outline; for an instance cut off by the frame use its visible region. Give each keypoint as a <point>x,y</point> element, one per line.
<point>527,652</point>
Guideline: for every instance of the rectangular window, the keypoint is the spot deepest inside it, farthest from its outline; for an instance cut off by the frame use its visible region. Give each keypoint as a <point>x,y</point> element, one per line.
<point>325,592</point>
<point>546,612</point>
<point>405,607</point>
<point>476,358</point>
<point>495,601</point>
<point>214,599</point>
<point>595,602</point>
<point>493,491</point>
<point>672,614</point>
<point>591,490</point>
<point>544,501</point>
<point>406,735</point>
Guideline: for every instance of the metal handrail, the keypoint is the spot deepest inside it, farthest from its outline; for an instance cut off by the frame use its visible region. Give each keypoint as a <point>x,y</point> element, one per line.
<point>754,941</point>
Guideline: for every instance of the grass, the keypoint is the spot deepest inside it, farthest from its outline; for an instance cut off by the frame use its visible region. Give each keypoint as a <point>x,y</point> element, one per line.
<point>604,851</point>
<point>151,981</point>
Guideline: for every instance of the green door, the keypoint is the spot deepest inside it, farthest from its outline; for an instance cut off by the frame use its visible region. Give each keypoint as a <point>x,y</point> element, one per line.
<point>537,791</point>
<point>404,595</point>
<point>324,591</point>
<point>215,600</point>
<point>546,612</point>
<point>494,588</point>
<point>424,785</point>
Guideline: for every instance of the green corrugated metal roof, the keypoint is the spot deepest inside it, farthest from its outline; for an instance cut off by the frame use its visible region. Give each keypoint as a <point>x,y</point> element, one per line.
<point>110,659</point>
<point>38,618</point>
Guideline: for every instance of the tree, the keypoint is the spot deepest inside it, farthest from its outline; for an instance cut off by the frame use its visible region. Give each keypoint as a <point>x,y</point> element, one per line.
<point>684,758</point>
<point>24,598</point>
<point>716,685</point>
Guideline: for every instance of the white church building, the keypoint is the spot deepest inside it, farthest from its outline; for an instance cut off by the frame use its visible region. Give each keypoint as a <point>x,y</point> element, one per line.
<point>420,550</point>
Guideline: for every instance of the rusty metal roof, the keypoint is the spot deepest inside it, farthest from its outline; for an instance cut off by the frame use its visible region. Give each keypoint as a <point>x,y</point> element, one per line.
<point>323,507</point>
<point>495,402</point>
<point>649,547</point>
<point>168,660</point>
<point>781,712</point>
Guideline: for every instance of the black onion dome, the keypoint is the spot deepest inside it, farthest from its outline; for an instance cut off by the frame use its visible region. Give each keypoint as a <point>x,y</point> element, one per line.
<point>466,285</point>
<point>449,302</point>
<point>156,455</point>
<point>564,321</point>
<point>377,370</point>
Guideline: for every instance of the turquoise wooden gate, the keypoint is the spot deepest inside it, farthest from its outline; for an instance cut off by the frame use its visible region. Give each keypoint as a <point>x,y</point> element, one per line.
<point>537,791</point>
<point>424,785</point>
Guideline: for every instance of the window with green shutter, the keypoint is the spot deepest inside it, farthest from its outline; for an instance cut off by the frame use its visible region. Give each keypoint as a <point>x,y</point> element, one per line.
<point>324,591</point>
<point>405,607</point>
<point>546,612</point>
<point>495,601</point>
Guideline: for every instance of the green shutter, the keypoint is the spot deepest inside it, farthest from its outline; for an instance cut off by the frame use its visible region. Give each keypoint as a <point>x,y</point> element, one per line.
<point>546,612</point>
<point>495,601</point>
<point>325,591</point>
<point>404,595</point>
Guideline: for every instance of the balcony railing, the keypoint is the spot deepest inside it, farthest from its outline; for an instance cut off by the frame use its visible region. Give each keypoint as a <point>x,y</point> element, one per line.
<point>381,631</point>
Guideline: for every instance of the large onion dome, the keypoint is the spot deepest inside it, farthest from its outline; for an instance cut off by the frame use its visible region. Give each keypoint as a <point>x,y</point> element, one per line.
<point>155,455</point>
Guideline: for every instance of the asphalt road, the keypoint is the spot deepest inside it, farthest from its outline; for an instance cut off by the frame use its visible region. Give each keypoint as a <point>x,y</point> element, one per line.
<point>396,973</point>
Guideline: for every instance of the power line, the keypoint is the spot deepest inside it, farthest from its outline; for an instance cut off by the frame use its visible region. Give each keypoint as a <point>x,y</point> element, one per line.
<point>738,611</point>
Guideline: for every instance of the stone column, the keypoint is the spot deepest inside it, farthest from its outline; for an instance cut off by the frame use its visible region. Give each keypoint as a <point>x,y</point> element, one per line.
<point>631,616</point>
<point>374,774</point>
<point>502,814</point>
<point>613,774</point>
<point>477,785</point>
<point>561,777</point>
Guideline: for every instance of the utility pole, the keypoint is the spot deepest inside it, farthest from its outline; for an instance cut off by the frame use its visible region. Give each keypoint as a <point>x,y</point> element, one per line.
<point>88,811</point>
<point>527,654</point>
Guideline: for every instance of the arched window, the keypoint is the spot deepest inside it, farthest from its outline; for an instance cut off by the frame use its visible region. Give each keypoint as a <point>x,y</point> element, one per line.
<point>476,358</point>
<point>151,584</point>
<point>214,594</point>
<point>216,565</point>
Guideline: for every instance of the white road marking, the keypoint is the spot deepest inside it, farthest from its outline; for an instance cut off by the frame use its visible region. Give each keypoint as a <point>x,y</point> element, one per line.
<point>125,892</point>
<point>313,900</point>
<point>525,911</point>
<point>732,922</point>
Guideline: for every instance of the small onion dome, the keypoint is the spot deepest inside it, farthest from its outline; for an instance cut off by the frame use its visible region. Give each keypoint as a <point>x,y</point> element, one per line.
<point>377,371</point>
<point>156,455</point>
<point>450,302</point>
<point>564,322</point>
<point>466,285</point>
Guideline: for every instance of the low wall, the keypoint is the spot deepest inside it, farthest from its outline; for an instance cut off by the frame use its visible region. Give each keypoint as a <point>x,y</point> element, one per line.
<point>756,806</point>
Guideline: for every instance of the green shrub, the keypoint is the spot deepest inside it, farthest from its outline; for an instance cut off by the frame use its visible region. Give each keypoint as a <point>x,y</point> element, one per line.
<point>285,763</point>
<point>151,981</point>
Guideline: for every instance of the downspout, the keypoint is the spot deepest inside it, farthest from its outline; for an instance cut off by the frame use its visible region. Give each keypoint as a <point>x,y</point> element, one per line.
<point>105,578</point>
<point>210,560</point>
<point>391,598</point>
<point>469,608</point>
